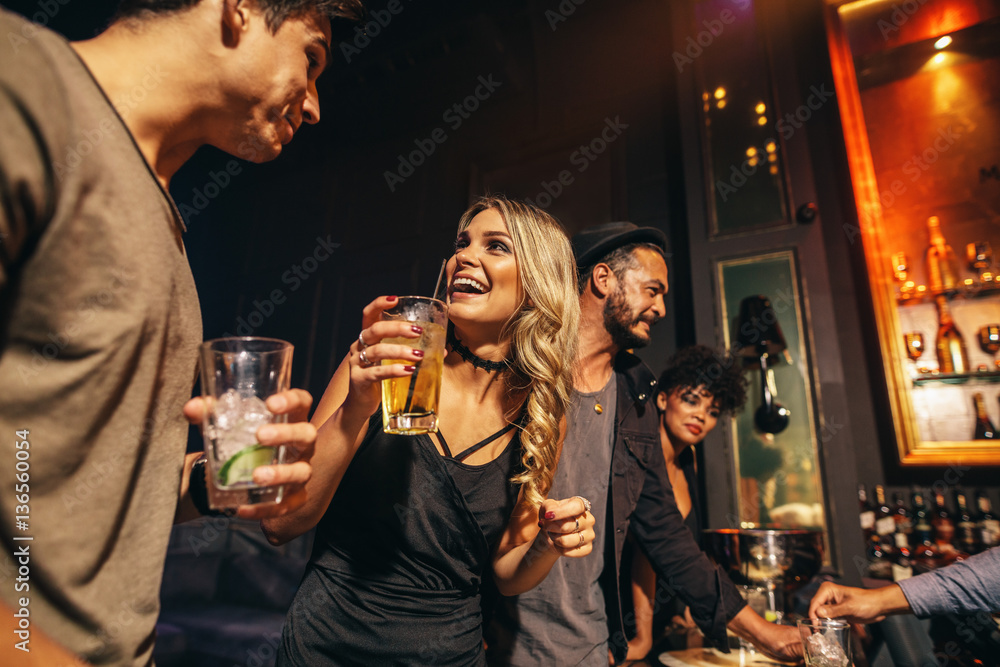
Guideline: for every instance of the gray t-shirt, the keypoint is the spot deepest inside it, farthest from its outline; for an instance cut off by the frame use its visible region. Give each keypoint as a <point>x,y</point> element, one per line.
<point>562,621</point>
<point>98,344</point>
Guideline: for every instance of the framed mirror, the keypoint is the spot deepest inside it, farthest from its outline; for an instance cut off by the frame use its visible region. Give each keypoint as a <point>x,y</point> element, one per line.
<point>916,85</point>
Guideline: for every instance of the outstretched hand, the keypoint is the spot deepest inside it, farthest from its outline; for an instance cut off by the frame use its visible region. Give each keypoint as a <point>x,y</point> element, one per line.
<point>298,435</point>
<point>568,526</point>
<point>857,605</point>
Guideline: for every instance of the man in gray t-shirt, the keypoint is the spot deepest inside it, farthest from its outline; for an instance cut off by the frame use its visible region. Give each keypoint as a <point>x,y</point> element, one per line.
<point>612,455</point>
<point>101,326</point>
<point>566,610</point>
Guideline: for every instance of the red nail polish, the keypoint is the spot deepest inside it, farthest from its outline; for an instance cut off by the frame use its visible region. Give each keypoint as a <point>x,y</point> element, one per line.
<point>550,515</point>
<point>409,369</point>
<point>418,353</point>
<point>417,329</point>
<point>390,298</point>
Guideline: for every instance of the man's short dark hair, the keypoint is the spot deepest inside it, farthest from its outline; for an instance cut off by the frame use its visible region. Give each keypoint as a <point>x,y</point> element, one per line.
<point>720,372</point>
<point>275,11</point>
<point>618,260</point>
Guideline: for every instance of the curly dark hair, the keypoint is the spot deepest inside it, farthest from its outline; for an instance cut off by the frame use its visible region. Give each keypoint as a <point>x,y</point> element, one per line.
<point>275,11</point>
<point>719,372</point>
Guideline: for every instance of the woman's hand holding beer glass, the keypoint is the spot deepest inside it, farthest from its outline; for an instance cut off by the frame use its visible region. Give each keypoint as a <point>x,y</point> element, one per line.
<point>408,333</point>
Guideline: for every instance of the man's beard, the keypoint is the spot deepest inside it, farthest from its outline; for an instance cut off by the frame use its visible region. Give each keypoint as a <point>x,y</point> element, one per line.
<point>619,320</point>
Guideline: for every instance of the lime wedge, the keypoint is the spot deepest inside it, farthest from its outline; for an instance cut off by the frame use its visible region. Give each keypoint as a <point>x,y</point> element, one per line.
<point>240,466</point>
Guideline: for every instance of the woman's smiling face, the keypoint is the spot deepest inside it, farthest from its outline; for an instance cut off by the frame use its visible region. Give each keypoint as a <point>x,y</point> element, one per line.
<point>484,285</point>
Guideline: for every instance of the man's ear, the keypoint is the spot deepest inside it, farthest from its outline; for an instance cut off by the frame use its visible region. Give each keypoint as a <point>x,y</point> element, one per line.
<point>661,401</point>
<point>603,280</point>
<point>235,19</point>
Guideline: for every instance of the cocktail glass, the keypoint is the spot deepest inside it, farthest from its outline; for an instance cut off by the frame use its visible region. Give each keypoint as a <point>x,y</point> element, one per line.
<point>410,404</point>
<point>980,256</point>
<point>767,601</point>
<point>989,340</point>
<point>237,377</point>
<point>826,642</point>
<point>914,346</point>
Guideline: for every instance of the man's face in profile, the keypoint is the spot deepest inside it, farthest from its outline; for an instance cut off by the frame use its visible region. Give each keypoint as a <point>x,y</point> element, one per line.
<point>273,88</point>
<point>636,303</point>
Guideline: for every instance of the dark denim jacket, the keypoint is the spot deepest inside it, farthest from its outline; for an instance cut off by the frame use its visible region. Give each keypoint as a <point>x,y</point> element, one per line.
<point>641,500</point>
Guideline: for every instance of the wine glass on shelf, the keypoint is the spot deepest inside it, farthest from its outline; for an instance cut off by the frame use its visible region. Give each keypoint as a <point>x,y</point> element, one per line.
<point>900,271</point>
<point>989,340</point>
<point>980,256</point>
<point>914,347</point>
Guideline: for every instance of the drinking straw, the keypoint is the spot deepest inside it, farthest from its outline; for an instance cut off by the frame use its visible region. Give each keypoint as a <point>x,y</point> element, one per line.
<point>413,378</point>
<point>437,287</point>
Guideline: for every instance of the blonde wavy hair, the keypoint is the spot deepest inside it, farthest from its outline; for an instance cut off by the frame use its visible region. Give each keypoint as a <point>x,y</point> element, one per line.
<point>543,332</point>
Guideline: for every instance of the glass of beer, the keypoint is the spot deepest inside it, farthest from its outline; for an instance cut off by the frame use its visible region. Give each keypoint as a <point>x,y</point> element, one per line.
<point>410,404</point>
<point>237,376</point>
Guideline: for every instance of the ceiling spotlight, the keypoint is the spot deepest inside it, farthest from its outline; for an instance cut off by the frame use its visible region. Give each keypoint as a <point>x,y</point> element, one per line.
<point>943,42</point>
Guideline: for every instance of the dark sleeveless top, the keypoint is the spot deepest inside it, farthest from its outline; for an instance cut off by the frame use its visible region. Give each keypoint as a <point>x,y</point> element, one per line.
<point>400,555</point>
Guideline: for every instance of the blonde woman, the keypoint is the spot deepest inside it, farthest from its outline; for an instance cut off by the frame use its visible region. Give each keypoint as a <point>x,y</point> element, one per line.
<point>408,525</point>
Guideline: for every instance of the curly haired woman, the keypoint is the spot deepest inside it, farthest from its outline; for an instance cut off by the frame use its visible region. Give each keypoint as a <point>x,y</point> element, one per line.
<point>698,387</point>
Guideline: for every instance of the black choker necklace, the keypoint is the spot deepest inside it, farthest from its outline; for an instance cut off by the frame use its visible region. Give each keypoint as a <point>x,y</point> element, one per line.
<point>469,356</point>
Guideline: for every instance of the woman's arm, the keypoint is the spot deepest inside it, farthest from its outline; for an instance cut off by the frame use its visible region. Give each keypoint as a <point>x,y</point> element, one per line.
<point>534,541</point>
<point>342,416</point>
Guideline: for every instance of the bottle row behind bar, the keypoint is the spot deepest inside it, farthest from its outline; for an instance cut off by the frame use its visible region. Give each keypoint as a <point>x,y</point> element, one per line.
<point>906,538</point>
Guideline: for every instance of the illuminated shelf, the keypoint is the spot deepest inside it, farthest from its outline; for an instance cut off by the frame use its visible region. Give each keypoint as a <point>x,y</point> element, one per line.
<point>959,294</point>
<point>957,378</point>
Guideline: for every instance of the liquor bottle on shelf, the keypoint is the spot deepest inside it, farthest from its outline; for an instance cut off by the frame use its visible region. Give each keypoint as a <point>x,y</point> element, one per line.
<point>944,525</point>
<point>885,522</point>
<point>985,430</point>
<point>941,272</point>
<point>879,560</point>
<point>924,554</point>
<point>866,514</point>
<point>922,529</point>
<point>904,522</point>
<point>951,353</point>
<point>965,528</point>
<point>987,524</point>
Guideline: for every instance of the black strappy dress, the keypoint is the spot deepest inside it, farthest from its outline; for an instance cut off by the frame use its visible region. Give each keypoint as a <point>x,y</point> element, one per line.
<point>400,556</point>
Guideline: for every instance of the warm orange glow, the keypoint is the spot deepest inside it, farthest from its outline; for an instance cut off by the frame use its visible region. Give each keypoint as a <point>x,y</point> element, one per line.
<point>720,92</point>
<point>773,170</point>
<point>762,120</point>
<point>770,147</point>
<point>753,161</point>
<point>721,104</point>
<point>938,59</point>
<point>751,151</point>
<point>705,96</point>
<point>943,42</point>
<point>760,108</point>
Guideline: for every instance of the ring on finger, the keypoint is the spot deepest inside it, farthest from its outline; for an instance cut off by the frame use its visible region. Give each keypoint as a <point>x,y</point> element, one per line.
<point>365,361</point>
<point>577,529</point>
<point>582,539</point>
<point>361,341</point>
